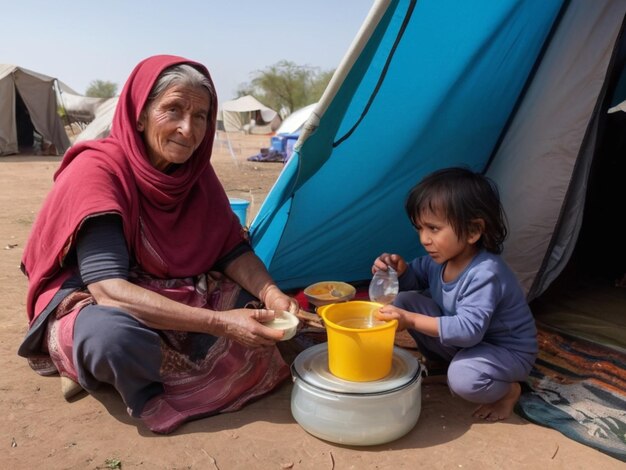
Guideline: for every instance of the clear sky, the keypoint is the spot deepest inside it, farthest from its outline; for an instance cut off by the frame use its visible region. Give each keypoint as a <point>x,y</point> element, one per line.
<point>83,40</point>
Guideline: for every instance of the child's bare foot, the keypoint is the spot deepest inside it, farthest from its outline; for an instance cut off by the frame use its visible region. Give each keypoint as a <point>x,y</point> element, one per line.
<point>501,409</point>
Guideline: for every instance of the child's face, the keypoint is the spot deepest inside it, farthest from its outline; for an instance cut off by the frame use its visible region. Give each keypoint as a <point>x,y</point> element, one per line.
<point>440,240</point>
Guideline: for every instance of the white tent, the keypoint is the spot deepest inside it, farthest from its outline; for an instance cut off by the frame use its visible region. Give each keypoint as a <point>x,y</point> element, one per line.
<point>79,108</point>
<point>29,103</point>
<point>294,122</point>
<point>247,114</point>
<point>101,125</point>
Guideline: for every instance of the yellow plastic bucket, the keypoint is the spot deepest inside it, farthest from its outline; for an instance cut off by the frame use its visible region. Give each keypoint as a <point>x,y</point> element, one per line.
<point>356,351</point>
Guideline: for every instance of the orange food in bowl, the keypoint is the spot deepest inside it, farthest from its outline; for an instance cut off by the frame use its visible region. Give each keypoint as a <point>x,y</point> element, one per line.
<point>329,292</point>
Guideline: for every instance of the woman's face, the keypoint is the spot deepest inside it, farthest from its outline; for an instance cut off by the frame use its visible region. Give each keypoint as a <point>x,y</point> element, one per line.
<point>174,124</point>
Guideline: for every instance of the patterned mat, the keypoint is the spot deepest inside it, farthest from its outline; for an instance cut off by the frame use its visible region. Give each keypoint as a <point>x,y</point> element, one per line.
<point>579,389</point>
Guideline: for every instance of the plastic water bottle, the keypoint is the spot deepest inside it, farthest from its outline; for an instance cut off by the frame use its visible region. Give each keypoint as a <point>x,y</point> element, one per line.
<point>384,286</point>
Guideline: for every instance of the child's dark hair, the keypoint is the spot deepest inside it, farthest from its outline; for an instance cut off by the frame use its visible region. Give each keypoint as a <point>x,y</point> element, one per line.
<point>462,196</point>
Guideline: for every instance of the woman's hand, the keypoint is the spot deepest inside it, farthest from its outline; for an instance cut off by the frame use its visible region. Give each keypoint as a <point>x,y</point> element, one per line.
<point>387,260</point>
<point>275,299</point>
<point>245,326</point>
<point>250,273</point>
<point>159,312</point>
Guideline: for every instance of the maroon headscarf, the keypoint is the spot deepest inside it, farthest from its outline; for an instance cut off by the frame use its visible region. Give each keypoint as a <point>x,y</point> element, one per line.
<point>175,225</point>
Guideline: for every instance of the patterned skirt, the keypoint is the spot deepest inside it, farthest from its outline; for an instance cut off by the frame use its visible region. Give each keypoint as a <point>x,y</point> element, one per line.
<point>197,381</point>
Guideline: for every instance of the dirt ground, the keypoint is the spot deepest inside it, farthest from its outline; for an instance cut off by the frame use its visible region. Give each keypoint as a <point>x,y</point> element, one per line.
<point>41,430</point>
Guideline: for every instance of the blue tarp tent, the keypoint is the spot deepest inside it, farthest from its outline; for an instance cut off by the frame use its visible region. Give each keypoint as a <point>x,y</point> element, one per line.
<point>512,88</point>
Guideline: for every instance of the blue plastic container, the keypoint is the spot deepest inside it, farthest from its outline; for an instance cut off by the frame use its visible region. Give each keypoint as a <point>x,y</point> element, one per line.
<point>239,207</point>
<point>278,143</point>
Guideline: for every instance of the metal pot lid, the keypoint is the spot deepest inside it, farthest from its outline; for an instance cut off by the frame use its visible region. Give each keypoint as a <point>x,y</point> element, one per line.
<point>311,365</point>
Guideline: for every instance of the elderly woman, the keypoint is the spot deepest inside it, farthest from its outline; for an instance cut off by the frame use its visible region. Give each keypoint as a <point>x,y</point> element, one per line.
<point>139,270</point>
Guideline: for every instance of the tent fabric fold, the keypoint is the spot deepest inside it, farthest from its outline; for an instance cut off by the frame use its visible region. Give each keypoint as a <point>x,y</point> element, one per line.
<point>544,161</point>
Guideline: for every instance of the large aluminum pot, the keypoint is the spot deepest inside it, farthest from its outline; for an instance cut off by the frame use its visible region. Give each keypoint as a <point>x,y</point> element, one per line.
<point>355,413</point>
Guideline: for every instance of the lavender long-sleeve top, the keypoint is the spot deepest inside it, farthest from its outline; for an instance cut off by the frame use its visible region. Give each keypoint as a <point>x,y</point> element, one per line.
<point>485,303</point>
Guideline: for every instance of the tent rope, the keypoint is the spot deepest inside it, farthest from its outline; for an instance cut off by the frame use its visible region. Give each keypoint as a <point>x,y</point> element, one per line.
<point>383,74</point>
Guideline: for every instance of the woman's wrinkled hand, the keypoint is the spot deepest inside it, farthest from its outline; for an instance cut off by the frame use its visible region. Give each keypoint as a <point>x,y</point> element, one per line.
<point>275,299</point>
<point>245,325</point>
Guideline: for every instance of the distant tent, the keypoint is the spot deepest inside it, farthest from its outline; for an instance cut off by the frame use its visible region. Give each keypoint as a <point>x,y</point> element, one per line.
<point>247,114</point>
<point>281,145</point>
<point>79,108</point>
<point>29,104</point>
<point>100,127</point>
<point>294,122</point>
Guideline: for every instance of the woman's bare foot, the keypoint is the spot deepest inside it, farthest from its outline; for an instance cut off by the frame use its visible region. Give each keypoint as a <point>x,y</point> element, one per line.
<point>502,408</point>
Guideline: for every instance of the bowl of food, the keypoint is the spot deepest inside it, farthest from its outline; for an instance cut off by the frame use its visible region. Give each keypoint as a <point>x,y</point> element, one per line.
<point>329,292</point>
<point>286,322</point>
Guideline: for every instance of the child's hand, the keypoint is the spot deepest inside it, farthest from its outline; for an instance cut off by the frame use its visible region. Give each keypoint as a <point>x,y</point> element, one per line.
<point>391,312</point>
<point>386,259</point>
<point>415,321</point>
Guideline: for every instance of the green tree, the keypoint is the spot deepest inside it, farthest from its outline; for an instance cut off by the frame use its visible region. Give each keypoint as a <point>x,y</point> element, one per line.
<point>101,89</point>
<point>321,82</point>
<point>286,86</point>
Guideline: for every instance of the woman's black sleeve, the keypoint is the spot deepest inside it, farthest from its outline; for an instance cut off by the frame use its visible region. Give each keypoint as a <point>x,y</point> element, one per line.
<point>236,252</point>
<point>101,249</point>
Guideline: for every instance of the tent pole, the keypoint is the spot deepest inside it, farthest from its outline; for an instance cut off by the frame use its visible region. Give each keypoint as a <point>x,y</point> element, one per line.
<point>59,93</point>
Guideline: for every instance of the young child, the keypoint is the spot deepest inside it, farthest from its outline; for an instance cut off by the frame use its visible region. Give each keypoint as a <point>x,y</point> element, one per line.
<point>462,303</point>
